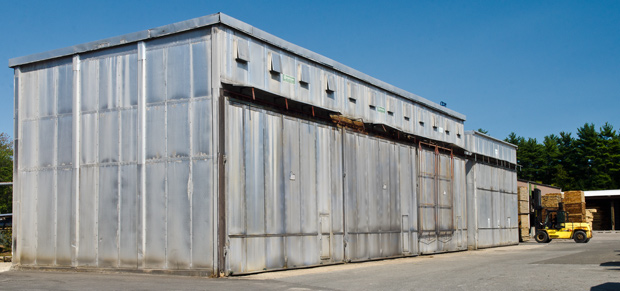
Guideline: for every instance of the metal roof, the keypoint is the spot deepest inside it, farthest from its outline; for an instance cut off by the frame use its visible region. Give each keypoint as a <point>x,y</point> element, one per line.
<point>220,18</point>
<point>602,193</point>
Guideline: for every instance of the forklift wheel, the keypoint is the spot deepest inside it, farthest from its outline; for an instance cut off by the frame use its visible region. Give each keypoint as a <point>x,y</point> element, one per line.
<point>580,236</point>
<point>542,237</point>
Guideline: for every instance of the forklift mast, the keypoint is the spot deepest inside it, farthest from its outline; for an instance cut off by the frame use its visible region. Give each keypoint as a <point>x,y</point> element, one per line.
<point>537,206</point>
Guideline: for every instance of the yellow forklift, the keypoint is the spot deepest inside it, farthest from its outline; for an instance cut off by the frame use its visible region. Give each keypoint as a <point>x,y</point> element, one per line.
<point>554,225</point>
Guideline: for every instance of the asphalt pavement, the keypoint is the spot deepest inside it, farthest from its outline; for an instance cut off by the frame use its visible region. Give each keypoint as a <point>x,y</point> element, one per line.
<point>559,265</point>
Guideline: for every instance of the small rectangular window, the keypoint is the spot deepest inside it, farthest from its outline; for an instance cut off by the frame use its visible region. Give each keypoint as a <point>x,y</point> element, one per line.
<point>406,118</point>
<point>331,84</point>
<point>304,74</point>
<point>372,107</point>
<point>447,132</point>
<point>390,113</point>
<point>352,100</point>
<point>275,63</point>
<point>422,123</point>
<point>242,50</point>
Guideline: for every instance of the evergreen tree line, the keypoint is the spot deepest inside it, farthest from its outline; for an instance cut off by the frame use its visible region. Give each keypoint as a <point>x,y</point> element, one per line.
<point>6,173</point>
<point>588,161</point>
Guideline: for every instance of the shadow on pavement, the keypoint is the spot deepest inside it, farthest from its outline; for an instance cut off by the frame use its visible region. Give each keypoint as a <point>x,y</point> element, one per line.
<point>606,286</point>
<point>611,264</point>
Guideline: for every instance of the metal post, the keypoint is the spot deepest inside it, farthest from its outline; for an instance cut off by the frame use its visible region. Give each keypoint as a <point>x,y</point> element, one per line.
<point>613,215</point>
<point>16,188</point>
<point>221,221</point>
<point>141,131</point>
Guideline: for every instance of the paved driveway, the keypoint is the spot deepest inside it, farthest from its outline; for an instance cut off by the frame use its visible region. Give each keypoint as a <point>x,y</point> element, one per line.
<point>559,265</point>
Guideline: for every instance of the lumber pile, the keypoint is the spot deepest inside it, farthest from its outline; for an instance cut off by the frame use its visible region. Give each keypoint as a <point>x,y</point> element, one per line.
<point>551,200</point>
<point>590,216</point>
<point>575,206</point>
<point>524,213</point>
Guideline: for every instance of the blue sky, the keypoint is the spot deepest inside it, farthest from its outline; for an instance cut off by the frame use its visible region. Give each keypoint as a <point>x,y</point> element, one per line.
<point>530,67</point>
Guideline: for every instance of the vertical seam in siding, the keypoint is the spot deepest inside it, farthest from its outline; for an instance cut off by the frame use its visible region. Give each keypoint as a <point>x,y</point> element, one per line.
<point>141,132</point>
<point>16,186</point>
<point>77,152</point>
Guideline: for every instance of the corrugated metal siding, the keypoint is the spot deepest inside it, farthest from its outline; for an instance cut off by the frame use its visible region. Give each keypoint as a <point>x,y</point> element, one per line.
<point>116,163</point>
<point>97,224</point>
<point>379,198</point>
<point>441,205</point>
<point>371,104</point>
<point>284,202</point>
<point>493,196</point>
<point>481,144</point>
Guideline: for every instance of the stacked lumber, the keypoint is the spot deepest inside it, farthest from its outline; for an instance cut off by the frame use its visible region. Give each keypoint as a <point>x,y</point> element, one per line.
<point>551,200</point>
<point>524,200</point>
<point>571,197</point>
<point>575,206</point>
<point>590,216</point>
<point>524,213</point>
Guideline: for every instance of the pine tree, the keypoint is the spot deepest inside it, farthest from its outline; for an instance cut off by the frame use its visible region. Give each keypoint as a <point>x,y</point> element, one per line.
<point>589,162</point>
<point>566,162</point>
<point>608,156</point>
<point>551,154</point>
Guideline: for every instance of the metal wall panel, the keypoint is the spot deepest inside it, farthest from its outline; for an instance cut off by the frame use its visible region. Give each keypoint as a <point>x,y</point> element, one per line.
<point>275,168</point>
<point>46,226</point>
<point>29,92</point>
<point>202,218</point>
<point>29,144</point>
<point>47,96</point>
<point>128,220</point>
<point>47,143</point>
<point>178,216</point>
<point>292,190</point>
<point>107,249</point>
<point>27,244</point>
<point>387,107</point>
<point>87,215</point>
<point>155,217</point>
<point>109,137</point>
<point>485,145</point>
<point>65,137</point>
<point>98,222</point>
<point>178,139</point>
<point>65,200</point>
<point>493,194</point>
<point>442,207</point>
<point>379,194</point>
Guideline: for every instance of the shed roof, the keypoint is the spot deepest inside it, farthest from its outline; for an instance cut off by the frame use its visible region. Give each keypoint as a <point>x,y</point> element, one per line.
<point>220,18</point>
<point>602,193</point>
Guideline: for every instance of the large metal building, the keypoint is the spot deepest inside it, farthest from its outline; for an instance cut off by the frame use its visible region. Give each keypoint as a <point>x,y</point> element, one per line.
<point>211,147</point>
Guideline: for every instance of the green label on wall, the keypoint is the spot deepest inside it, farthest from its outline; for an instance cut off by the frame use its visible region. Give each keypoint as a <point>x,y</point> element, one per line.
<point>288,79</point>
<point>381,109</point>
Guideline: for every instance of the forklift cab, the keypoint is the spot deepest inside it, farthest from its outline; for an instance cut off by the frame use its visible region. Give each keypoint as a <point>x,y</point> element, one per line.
<point>555,219</point>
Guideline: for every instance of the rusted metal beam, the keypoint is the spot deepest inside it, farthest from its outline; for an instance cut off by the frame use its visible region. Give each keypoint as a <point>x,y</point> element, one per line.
<point>221,201</point>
